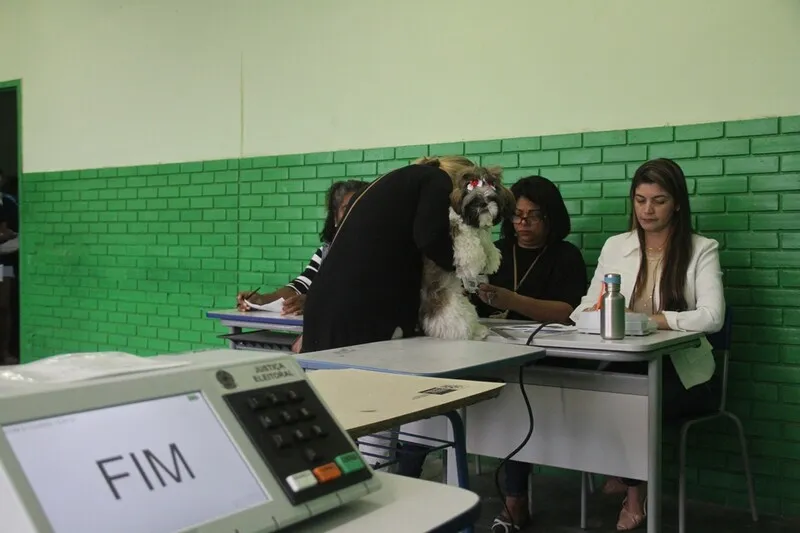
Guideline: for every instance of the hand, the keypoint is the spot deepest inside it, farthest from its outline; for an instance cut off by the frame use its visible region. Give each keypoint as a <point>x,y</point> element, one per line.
<point>497,297</point>
<point>297,345</point>
<point>294,305</point>
<point>241,304</point>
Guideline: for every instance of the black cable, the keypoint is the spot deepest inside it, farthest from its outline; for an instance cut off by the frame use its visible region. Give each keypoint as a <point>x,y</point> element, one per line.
<point>530,429</point>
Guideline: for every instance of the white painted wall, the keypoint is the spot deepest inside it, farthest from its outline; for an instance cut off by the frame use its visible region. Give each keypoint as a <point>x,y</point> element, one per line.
<point>122,82</point>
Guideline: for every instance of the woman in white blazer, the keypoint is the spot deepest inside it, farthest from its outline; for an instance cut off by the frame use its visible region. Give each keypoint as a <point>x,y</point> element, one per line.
<point>673,275</point>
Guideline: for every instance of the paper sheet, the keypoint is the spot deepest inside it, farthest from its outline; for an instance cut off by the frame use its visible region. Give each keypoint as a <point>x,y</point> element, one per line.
<point>83,366</point>
<point>527,329</point>
<point>273,307</point>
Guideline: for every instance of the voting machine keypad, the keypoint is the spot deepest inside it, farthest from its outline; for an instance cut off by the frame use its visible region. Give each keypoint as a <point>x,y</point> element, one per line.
<point>298,439</point>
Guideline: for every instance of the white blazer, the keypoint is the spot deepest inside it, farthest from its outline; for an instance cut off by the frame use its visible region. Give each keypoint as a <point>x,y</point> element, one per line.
<point>703,290</point>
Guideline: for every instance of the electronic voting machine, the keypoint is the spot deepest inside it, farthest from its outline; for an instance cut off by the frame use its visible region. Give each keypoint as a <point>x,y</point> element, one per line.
<point>231,442</point>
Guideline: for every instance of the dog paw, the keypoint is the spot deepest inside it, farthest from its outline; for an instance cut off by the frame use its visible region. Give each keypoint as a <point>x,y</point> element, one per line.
<point>479,332</point>
<point>493,259</point>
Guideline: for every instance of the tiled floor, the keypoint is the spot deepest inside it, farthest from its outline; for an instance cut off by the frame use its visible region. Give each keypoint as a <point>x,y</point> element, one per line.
<point>557,509</point>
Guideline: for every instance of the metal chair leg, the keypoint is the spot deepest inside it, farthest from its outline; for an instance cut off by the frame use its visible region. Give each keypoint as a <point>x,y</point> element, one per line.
<point>478,470</point>
<point>682,477</point>
<point>530,493</point>
<point>751,494</point>
<point>591,483</point>
<point>584,498</point>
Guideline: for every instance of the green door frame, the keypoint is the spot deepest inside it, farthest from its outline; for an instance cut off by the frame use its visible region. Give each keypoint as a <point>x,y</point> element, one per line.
<point>16,85</point>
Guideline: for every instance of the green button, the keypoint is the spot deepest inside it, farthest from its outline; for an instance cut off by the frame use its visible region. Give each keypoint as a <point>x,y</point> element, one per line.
<point>349,462</point>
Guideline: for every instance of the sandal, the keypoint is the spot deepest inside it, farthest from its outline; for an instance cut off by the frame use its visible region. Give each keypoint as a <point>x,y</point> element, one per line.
<point>628,520</point>
<point>614,485</point>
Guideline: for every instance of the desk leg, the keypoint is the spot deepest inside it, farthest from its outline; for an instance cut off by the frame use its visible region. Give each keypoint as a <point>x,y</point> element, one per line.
<point>457,468</point>
<point>654,380</point>
<point>235,330</point>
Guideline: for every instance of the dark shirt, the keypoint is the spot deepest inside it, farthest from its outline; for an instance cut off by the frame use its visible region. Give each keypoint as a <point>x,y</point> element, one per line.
<point>373,269</point>
<point>559,275</point>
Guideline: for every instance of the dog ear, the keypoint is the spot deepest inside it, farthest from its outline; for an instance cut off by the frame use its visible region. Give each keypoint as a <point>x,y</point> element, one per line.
<point>505,198</point>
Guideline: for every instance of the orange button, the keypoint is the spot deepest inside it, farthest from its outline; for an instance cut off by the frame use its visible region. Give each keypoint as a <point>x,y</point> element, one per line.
<point>327,472</point>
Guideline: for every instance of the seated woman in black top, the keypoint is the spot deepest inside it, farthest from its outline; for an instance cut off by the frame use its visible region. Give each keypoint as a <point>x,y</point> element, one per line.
<point>542,277</point>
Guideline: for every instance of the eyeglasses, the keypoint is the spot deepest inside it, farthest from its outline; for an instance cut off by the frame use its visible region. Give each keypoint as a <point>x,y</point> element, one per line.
<point>529,218</point>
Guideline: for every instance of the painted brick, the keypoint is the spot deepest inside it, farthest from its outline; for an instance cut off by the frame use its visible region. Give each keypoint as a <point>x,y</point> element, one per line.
<point>502,160</point>
<point>604,172</point>
<point>581,156</point>
<point>275,173</point>
<point>482,147</point>
<point>362,169</point>
<point>752,202</point>
<point>522,144</point>
<point>555,142</point>
<point>559,174</point>
<point>387,166</point>
<point>785,221</point>
<point>744,128</point>
<point>580,190</point>
<point>771,145</point>
<point>413,152</point>
<point>719,147</point>
<point>701,167</point>
<point>676,150</point>
<point>790,202</point>
<point>699,131</point>
<point>616,189</point>
<point>722,185</point>
<point>538,159</point>
<point>775,182</point>
<point>721,223</point>
<point>348,156</point>
<point>751,240</point>
<point>790,162</point>
<point>446,149</point>
<point>318,158</point>
<point>604,138</point>
<point>624,153</point>
<point>376,154</point>
<point>650,135</point>
<point>751,165</point>
<point>707,204</point>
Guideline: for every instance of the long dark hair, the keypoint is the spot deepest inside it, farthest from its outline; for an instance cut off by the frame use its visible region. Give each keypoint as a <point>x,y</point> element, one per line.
<point>668,175</point>
<point>333,201</point>
<point>542,192</point>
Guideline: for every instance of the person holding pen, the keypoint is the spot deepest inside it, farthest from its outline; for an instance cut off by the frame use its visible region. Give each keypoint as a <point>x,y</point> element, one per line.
<point>672,275</point>
<point>294,294</point>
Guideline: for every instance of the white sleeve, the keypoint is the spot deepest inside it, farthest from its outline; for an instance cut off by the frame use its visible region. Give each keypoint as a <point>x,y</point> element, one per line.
<point>709,314</point>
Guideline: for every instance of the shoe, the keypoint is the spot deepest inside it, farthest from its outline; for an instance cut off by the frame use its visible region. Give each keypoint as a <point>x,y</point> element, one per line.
<point>502,524</point>
<point>627,520</point>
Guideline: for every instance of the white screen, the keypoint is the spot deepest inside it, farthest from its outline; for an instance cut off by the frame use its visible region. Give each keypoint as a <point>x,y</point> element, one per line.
<point>169,465</point>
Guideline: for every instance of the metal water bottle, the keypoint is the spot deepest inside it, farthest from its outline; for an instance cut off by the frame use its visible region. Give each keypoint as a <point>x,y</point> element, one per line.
<point>612,309</point>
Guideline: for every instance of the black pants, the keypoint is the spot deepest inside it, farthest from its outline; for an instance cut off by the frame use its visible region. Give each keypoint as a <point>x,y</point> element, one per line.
<point>677,403</point>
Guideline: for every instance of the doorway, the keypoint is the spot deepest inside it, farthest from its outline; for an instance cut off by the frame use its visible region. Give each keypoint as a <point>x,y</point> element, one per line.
<point>10,163</point>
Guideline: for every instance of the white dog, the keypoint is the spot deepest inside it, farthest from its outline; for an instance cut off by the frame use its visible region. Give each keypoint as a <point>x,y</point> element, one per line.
<point>479,202</point>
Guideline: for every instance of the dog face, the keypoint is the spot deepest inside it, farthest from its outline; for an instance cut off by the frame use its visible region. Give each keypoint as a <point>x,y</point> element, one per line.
<point>480,198</point>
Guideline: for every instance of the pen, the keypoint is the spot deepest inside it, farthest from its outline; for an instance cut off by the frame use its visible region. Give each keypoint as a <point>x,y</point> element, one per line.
<point>252,293</point>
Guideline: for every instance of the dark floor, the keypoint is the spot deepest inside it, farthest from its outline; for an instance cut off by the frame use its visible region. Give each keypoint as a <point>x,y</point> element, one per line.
<point>557,509</point>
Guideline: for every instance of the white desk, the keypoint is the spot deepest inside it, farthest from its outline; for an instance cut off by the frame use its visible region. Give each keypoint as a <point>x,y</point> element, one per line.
<point>369,402</point>
<point>626,421</point>
<point>286,327</point>
<point>424,356</point>
<point>402,504</point>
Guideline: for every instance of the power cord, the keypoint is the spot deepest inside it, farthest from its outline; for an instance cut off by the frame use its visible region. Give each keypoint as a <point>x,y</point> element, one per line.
<point>527,438</point>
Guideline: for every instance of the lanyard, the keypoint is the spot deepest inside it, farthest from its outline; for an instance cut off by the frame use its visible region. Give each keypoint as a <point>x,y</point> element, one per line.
<point>517,284</point>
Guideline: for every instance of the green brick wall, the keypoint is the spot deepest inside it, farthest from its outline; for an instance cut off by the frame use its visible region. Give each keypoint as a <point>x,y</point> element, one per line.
<point>130,258</point>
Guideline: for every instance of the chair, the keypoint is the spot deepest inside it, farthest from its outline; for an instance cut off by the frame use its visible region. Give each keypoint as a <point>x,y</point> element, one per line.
<point>721,343</point>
